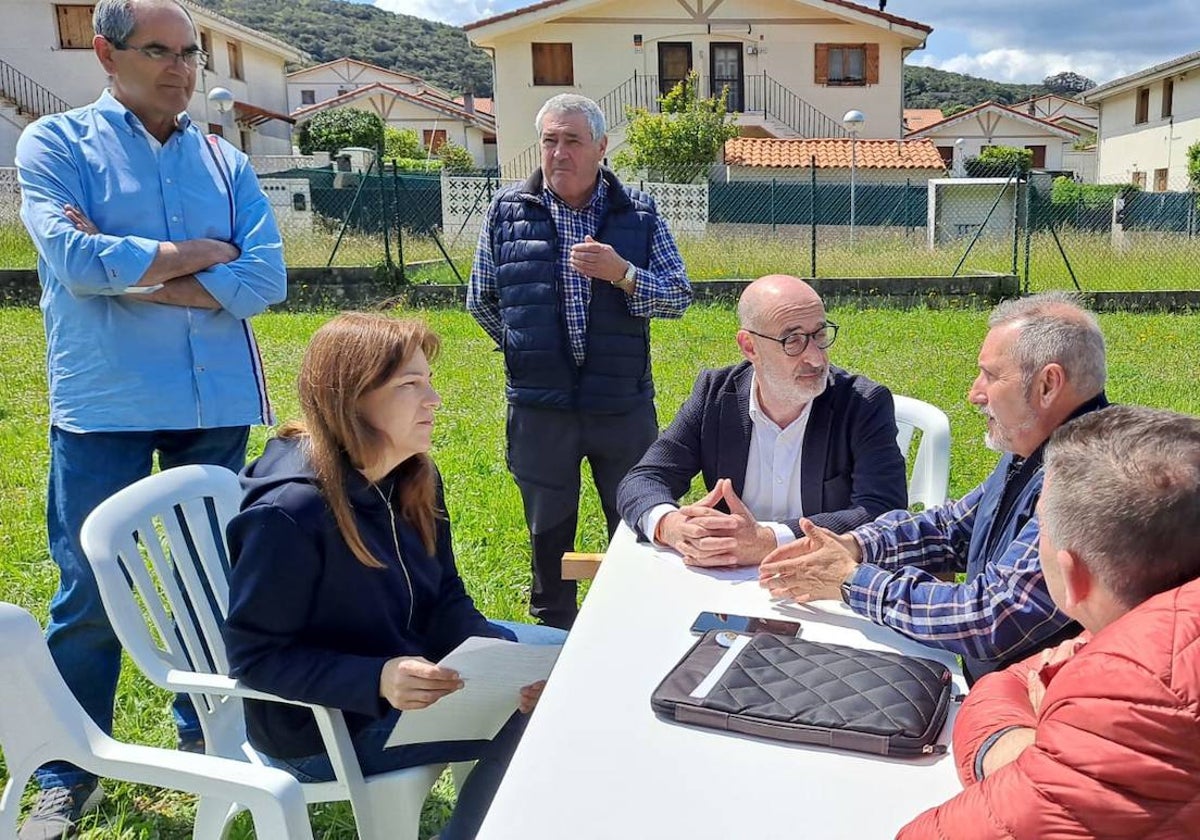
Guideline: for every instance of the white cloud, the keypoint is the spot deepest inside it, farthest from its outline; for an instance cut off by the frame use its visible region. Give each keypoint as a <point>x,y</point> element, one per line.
<point>1026,66</point>
<point>1026,40</point>
<point>456,12</point>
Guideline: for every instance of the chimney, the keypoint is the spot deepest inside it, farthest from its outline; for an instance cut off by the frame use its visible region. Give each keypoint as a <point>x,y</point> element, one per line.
<point>469,103</point>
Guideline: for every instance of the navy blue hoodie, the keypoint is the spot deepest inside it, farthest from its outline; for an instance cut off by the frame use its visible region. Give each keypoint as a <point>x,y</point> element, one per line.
<point>308,621</point>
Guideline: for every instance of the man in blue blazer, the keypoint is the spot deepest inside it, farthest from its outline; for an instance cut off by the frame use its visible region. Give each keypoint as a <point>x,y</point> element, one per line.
<point>781,435</point>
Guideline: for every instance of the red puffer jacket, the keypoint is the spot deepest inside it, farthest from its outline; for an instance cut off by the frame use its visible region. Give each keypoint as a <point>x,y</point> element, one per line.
<point>1117,750</point>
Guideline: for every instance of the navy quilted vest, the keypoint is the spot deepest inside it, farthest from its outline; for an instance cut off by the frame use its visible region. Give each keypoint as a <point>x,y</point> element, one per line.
<point>540,370</point>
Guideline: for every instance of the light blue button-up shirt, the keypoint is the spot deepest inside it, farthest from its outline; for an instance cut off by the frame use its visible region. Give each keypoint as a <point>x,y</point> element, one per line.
<point>117,363</point>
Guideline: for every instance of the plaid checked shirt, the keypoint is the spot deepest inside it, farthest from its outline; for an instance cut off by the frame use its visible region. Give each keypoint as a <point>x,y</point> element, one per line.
<point>661,290</point>
<point>987,618</point>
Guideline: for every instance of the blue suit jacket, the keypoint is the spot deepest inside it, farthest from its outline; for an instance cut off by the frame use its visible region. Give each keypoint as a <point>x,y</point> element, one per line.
<point>851,468</point>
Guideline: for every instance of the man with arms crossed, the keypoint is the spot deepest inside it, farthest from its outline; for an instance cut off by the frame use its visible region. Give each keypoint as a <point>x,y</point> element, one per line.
<point>1099,737</point>
<point>1041,364</point>
<point>571,266</point>
<point>155,244</point>
<point>781,435</point>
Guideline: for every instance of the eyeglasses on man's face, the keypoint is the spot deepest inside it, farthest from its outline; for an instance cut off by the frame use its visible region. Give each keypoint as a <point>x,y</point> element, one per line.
<point>194,57</point>
<point>795,343</point>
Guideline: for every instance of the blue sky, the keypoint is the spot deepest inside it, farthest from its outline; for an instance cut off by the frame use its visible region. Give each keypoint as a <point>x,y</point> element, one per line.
<point>1005,40</point>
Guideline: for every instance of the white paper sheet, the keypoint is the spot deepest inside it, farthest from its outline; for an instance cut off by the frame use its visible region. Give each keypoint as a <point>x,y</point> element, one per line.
<point>493,672</point>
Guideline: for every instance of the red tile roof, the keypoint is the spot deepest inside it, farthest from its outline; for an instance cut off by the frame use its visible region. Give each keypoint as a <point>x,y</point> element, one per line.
<point>917,118</point>
<point>833,153</point>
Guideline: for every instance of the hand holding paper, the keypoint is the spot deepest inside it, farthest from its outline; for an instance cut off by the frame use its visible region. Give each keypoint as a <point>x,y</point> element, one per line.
<point>497,678</point>
<point>413,682</point>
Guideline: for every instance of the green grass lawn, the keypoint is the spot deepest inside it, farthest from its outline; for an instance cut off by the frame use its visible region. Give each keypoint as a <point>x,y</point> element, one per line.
<point>925,354</point>
<point>1151,262</point>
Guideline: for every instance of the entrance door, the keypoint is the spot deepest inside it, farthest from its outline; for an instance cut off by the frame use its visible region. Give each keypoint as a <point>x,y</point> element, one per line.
<point>726,71</point>
<point>674,64</point>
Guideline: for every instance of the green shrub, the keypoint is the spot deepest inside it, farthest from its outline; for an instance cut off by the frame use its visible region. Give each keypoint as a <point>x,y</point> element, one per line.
<point>999,162</point>
<point>1066,191</point>
<point>455,159</point>
<point>401,143</point>
<point>338,128</point>
<point>418,165</point>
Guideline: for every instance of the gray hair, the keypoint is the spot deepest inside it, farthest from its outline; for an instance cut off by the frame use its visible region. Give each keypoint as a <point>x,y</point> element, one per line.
<point>114,20</point>
<point>1054,328</point>
<point>1123,494</point>
<point>573,103</point>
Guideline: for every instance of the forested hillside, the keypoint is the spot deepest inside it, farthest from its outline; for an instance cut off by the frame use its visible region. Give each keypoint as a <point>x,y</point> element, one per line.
<point>329,29</point>
<point>925,87</point>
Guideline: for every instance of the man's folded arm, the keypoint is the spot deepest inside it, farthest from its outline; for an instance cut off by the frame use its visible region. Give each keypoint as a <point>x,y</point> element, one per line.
<point>257,278</point>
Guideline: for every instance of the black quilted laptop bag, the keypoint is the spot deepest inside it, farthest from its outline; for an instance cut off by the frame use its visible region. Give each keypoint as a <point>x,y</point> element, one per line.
<point>789,689</point>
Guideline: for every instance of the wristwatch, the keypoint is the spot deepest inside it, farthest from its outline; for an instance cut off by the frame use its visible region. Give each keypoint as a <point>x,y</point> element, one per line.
<point>627,283</point>
<point>846,591</point>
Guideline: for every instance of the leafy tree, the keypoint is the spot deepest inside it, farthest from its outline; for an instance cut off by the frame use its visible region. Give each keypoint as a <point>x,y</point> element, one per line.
<point>338,128</point>
<point>1067,83</point>
<point>999,162</point>
<point>455,159</point>
<point>1193,165</point>
<point>401,143</point>
<point>680,143</point>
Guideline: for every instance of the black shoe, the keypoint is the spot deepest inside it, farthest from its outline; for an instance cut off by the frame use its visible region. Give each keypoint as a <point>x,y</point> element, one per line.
<point>58,809</point>
<point>192,743</point>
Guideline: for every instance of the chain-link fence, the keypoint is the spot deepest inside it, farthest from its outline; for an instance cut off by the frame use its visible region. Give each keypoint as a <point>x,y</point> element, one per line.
<point>827,223</point>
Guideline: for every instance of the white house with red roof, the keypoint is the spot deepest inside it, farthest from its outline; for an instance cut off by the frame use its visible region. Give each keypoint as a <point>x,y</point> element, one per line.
<point>401,100</point>
<point>993,124</point>
<point>1148,120</point>
<point>792,68</point>
<point>47,65</point>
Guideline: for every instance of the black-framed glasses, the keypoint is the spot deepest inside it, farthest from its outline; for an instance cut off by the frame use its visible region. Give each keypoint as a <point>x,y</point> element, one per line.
<point>795,343</point>
<point>194,57</point>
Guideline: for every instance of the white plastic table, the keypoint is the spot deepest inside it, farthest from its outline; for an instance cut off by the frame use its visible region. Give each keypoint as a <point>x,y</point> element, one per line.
<point>595,761</point>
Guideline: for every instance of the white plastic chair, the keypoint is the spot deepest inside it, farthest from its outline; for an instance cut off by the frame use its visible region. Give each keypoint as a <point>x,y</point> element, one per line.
<point>929,476</point>
<point>40,721</point>
<point>165,537</point>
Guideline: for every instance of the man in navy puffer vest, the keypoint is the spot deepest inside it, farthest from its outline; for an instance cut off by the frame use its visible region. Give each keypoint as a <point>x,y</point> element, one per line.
<point>571,266</point>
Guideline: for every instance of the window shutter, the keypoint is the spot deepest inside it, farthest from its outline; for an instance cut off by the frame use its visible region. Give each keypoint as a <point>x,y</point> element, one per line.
<point>552,64</point>
<point>821,68</point>
<point>74,27</point>
<point>871,74</point>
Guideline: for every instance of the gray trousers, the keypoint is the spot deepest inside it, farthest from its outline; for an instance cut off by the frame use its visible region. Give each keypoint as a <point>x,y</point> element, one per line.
<point>545,449</point>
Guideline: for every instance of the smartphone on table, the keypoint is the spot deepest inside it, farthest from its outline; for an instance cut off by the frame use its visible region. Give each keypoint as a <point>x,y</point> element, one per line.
<point>744,624</point>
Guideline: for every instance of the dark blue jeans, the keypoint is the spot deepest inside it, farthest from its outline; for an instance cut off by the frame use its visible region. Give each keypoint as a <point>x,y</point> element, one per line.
<point>491,757</point>
<point>85,469</point>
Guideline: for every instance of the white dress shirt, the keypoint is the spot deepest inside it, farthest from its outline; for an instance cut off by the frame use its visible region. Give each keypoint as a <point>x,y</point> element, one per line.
<point>772,487</point>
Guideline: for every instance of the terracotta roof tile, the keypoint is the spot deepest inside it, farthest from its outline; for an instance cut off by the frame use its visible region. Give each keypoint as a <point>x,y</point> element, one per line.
<point>833,153</point>
<point>917,118</point>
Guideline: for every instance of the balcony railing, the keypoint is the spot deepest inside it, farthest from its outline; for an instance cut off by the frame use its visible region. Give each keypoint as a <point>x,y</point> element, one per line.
<point>31,99</point>
<point>758,94</point>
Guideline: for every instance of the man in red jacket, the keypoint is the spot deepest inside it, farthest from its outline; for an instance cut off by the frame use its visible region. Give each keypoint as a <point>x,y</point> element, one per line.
<point>1099,737</point>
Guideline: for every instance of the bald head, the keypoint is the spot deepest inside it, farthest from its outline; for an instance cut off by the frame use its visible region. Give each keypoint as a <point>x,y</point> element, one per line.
<point>763,299</point>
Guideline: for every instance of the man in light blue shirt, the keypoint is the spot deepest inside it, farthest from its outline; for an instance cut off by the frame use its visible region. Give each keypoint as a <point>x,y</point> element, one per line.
<point>155,245</point>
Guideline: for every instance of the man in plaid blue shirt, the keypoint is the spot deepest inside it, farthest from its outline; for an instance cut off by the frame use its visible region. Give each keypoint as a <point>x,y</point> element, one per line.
<point>1041,365</point>
<point>571,266</point>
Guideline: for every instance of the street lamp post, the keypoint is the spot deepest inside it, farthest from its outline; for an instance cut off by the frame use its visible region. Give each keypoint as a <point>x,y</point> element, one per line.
<point>853,122</point>
<point>221,99</point>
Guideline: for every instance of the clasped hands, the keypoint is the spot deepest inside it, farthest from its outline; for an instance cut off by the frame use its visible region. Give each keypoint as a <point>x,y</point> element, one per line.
<point>708,537</point>
<point>413,682</point>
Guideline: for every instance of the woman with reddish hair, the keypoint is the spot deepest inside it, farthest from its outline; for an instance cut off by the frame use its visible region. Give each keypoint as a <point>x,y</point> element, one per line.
<point>344,590</point>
